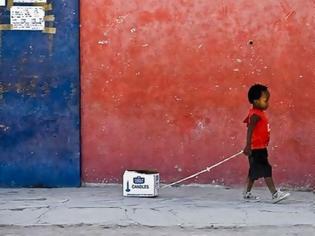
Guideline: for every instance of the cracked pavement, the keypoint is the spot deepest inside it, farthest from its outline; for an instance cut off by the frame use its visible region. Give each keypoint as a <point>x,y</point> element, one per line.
<point>191,206</point>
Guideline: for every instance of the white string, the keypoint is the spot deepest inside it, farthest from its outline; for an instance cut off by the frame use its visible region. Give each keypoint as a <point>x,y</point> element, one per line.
<point>202,171</point>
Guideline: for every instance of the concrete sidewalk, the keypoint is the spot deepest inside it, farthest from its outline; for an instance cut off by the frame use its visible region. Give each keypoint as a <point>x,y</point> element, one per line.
<point>198,207</point>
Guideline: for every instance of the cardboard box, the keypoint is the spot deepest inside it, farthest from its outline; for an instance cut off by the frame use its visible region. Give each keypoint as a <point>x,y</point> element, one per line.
<point>141,183</point>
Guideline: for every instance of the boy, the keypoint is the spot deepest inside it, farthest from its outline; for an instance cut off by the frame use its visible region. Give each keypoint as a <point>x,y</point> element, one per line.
<point>256,144</point>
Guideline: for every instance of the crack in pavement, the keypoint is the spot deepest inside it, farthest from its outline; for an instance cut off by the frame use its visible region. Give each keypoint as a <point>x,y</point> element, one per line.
<point>41,215</point>
<point>128,218</point>
<point>93,207</point>
<point>24,208</point>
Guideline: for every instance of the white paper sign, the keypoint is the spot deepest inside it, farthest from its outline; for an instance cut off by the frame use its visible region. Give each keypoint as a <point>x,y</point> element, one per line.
<point>2,3</point>
<point>31,1</point>
<point>27,18</point>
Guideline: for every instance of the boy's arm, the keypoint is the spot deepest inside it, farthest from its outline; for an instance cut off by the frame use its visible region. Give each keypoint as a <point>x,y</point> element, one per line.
<point>252,123</point>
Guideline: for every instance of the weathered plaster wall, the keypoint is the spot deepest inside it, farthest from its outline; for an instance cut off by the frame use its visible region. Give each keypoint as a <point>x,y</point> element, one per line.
<point>164,86</point>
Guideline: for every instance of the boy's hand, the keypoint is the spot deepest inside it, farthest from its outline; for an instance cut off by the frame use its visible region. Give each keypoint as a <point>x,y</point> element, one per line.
<point>247,150</point>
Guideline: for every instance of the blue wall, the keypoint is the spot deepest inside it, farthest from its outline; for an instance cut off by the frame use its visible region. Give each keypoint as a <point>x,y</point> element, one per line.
<point>39,102</point>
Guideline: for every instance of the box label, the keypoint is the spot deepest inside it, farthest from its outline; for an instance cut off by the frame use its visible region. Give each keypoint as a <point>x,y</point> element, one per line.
<point>138,180</point>
<point>140,184</point>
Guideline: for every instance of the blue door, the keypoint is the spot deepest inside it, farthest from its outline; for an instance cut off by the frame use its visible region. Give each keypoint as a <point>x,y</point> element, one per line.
<point>39,98</point>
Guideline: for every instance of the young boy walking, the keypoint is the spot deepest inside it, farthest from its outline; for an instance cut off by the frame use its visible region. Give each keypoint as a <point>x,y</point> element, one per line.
<point>258,134</point>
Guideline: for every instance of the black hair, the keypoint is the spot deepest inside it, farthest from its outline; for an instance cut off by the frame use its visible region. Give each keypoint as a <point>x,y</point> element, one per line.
<point>255,92</point>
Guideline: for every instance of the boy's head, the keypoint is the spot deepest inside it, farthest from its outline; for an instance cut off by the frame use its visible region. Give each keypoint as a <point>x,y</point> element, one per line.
<point>258,95</point>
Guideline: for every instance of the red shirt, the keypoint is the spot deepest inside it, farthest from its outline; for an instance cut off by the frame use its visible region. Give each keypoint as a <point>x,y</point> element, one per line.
<point>261,132</point>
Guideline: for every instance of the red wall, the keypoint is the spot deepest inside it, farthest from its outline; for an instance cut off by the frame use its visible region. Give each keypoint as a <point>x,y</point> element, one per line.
<point>164,86</point>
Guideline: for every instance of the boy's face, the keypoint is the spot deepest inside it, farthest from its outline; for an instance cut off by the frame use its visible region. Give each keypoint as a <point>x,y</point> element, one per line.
<point>263,102</point>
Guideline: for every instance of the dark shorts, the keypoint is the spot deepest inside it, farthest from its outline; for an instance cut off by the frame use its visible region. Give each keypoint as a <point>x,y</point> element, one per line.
<point>258,164</point>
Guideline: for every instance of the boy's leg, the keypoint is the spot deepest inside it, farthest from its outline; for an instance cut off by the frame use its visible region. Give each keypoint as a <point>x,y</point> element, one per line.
<point>249,184</point>
<point>271,185</point>
<point>247,195</point>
